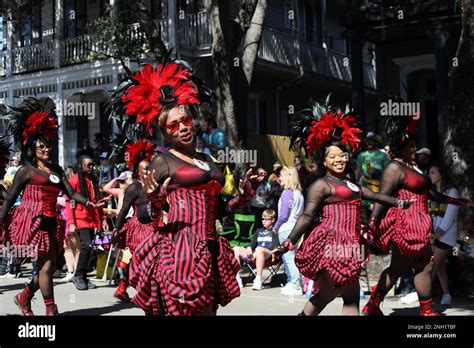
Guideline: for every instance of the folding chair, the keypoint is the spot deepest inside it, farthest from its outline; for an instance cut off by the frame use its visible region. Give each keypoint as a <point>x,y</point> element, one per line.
<point>242,233</point>
<point>271,267</point>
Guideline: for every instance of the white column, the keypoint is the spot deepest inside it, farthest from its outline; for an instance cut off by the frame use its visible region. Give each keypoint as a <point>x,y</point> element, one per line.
<point>58,32</point>
<point>9,62</point>
<point>59,101</point>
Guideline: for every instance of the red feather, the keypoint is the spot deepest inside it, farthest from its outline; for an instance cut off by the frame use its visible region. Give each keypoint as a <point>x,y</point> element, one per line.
<point>142,100</point>
<point>40,123</point>
<point>412,126</point>
<point>139,151</point>
<point>322,131</point>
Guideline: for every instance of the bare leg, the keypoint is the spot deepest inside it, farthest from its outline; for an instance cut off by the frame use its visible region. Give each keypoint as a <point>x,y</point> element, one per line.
<point>439,267</point>
<point>46,270</point>
<point>351,296</point>
<point>399,264</point>
<point>423,269</point>
<point>261,255</point>
<point>319,301</point>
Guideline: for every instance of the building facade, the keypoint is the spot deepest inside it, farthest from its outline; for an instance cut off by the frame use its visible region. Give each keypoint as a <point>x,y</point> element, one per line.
<point>303,53</point>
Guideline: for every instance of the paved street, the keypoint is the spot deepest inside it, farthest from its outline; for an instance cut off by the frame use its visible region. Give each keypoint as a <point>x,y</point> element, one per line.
<point>265,302</point>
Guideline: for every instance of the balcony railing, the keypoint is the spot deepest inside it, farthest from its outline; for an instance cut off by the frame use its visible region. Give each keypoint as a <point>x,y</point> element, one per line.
<point>194,35</point>
<point>31,58</point>
<point>282,48</point>
<point>78,49</point>
<point>195,32</point>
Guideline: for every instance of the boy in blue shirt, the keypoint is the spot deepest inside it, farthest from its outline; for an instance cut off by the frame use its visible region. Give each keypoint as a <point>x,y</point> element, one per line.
<point>264,240</point>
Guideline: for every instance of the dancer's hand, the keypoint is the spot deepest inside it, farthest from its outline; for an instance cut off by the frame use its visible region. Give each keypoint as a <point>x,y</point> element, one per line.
<point>151,186</point>
<point>372,224</point>
<point>277,253</point>
<point>406,203</point>
<point>105,226</point>
<point>103,201</point>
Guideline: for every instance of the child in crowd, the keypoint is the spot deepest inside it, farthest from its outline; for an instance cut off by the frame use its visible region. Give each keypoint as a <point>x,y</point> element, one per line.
<point>264,240</point>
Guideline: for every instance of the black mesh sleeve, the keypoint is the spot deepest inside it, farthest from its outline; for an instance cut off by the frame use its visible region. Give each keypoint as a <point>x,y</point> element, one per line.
<point>68,189</point>
<point>442,198</point>
<point>129,198</point>
<point>317,193</point>
<point>379,197</point>
<point>391,178</point>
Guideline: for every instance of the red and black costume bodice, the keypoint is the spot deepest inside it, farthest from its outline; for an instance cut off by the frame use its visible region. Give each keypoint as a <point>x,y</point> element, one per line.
<point>336,244</point>
<point>408,229</point>
<point>185,267</point>
<point>38,201</point>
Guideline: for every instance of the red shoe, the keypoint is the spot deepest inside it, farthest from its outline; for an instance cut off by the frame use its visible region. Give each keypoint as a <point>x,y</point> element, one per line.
<point>429,313</point>
<point>372,311</point>
<point>426,309</point>
<point>52,311</point>
<point>23,301</point>
<point>121,292</point>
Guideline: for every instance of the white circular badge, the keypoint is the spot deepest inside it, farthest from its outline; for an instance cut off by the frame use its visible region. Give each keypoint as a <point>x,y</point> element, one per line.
<point>54,179</point>
<point>352,186</point>
<point>201,164</point>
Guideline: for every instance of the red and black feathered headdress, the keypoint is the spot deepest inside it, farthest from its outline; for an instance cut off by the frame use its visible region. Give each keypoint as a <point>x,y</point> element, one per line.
<point>156,87</point>
<point>316,126</point>
<point>401,129</point>
<point>29,122</point>
<point>142,95</point>
<point>139,151</point>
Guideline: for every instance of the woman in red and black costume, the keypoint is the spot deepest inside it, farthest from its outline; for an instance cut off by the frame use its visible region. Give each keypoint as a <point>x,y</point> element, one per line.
<point>130,232</point>
<point>333,250</point>
<point>186,269</point>
<point>407,231</point>
<point>34,223</point>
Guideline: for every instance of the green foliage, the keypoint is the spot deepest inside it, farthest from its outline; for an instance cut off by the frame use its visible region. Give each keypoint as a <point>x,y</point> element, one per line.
<point>118,33</point>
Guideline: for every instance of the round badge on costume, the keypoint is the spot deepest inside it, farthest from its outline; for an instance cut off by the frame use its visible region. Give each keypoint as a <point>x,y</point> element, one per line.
<point>352,186</point>
<point>54,179</point>
<point>201,164</point>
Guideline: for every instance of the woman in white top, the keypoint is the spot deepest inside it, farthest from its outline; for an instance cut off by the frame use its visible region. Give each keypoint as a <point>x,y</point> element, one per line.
<point>444,228</point>
<point>290,208</point>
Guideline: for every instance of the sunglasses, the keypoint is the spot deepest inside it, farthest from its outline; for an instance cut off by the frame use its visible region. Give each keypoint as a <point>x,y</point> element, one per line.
<point>90,165</point>
<point>43,147</point>
<point>173,127</point>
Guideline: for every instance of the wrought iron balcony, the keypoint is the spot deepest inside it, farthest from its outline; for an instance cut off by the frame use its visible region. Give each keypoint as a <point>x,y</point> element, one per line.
<point>282,48</point>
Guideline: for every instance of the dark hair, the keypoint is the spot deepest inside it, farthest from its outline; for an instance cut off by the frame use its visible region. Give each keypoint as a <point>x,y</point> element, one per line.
<point>134,168</point>
<point>322,170</point>
<point>29,150</point>
<point>445,179</point>
<point>82,181</point>
<point>397,146</point>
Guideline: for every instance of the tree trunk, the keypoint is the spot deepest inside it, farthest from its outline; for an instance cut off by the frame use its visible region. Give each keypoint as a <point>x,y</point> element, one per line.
<point>233,74</point>
<point>458,145</point>
<point>252,40</point>
<point>225,102</point>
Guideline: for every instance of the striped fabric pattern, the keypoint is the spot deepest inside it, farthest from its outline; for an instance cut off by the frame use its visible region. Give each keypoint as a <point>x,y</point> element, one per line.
<point>175,272</point>
<point>24,229</point>
<point>335,245</point>
<point>409,229</point>
<point>133,233</point>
